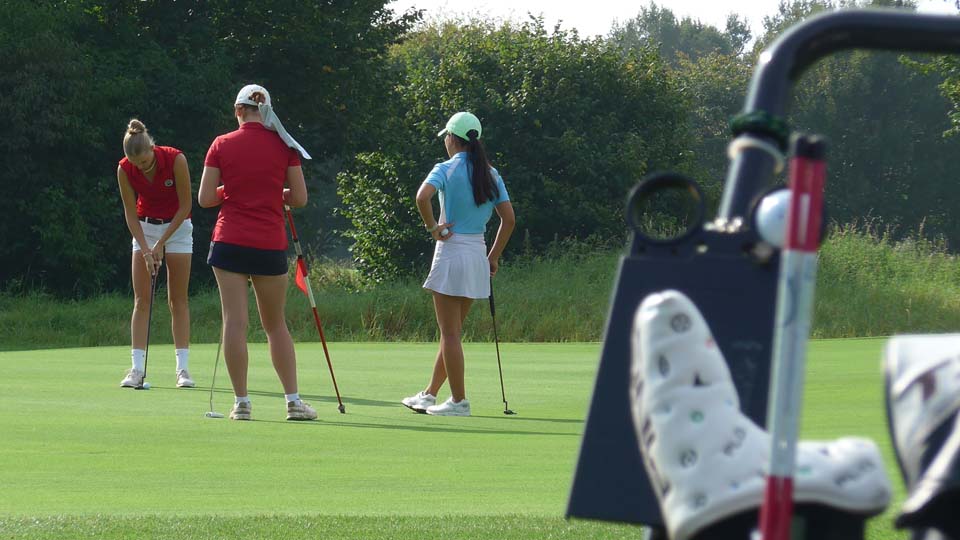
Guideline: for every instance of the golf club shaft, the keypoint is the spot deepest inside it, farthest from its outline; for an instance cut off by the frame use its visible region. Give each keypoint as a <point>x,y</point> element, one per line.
<point>798,269</point>
<point>496,341</point>
<point>154,277</point>
<point>302,266</point>
<point>216,362</point>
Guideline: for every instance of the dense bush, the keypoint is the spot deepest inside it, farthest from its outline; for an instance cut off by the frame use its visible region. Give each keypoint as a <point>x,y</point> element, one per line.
<point>570,123</point>
<point>75,71</point>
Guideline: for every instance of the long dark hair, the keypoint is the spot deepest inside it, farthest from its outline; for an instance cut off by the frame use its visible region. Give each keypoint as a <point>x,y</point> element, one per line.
<point>484,187</point>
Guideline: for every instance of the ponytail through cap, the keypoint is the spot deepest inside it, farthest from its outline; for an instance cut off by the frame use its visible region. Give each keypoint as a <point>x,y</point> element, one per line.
<point>461,124</point>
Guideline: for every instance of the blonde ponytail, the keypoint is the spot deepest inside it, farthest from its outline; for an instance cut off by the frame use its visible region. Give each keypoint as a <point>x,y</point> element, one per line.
<point>137,140</point>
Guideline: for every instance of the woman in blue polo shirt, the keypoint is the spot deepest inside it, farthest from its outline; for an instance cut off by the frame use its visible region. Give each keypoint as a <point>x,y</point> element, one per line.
<point>470,190</point>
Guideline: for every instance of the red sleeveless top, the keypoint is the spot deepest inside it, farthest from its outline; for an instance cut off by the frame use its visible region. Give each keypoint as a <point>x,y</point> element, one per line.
<point>156,198</point>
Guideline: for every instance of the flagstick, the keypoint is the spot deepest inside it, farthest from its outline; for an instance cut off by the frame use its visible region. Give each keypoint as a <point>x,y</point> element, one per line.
<point>798,273</point>
<point>302,273</point>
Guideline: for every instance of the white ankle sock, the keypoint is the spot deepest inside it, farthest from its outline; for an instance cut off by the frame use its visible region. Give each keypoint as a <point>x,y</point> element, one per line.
<point>136,355</point>
<point>292,397</point>
<point>242,399</point>
<point>182,357</point>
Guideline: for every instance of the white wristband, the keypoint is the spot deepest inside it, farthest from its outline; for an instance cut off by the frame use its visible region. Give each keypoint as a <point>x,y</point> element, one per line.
<point>431,229</point>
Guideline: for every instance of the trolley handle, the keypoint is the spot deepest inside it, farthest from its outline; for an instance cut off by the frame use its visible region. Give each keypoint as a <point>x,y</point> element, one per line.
<point>752,166</point>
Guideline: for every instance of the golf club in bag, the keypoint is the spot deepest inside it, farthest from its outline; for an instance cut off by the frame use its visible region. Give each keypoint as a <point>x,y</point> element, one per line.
<point>724,266</point>
<point>798,277</point>
<point>154,277</point>
<point>496,341</point>
<point>302,272</point>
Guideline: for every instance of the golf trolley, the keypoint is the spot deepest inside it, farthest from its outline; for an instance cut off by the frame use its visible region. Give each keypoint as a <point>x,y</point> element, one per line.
<point>724,266</point>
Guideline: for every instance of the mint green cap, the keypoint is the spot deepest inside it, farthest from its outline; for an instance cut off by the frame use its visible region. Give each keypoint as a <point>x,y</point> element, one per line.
<point>460,123</point>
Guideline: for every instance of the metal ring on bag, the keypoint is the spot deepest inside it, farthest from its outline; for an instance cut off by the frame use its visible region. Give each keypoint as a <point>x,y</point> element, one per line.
<point>642,206</point>
<point>747,141</point>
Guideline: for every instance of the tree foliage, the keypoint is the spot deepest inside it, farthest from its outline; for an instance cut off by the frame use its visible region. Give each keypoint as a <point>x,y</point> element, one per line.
<point>571,124</point>
<point>77,70</point>
<point>885,119</point>
<point>676,39</point>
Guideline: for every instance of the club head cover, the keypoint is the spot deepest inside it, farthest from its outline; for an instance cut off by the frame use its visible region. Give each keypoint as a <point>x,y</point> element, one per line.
<point>707,460</point>
<point>922,394</point>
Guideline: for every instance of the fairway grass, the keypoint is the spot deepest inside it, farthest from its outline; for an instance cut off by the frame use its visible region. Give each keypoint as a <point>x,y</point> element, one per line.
<point>82,458</point>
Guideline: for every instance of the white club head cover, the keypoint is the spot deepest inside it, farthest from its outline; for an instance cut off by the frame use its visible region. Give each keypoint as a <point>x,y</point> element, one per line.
<point>923,390</point>
<point>923,410</point>
<point>706,459</point>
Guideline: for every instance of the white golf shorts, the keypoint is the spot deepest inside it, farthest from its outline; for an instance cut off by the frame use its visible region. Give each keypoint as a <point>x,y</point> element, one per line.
<point>180,242</point>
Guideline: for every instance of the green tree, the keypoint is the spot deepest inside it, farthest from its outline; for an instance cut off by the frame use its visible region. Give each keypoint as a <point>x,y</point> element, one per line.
<point>714,74</point>
<point>571,124</point>
<point>884,119</point>
<point>686,38</point>
<point>77,70</point>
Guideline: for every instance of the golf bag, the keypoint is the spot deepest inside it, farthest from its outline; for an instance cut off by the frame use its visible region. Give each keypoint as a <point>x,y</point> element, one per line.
<point>723,266</point>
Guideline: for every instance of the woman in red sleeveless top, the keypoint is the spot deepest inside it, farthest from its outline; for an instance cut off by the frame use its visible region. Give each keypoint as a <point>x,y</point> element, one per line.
<point>155,189</point>
<point>251,173</point>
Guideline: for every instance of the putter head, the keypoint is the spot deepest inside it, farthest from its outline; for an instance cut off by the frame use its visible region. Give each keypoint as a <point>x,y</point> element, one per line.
<point>211,414</point>
<point>142,386</point>
<point>508,411</point>
<point>342,409</point>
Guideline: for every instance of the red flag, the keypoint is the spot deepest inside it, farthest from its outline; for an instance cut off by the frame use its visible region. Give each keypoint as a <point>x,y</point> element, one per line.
<point>302,275</point>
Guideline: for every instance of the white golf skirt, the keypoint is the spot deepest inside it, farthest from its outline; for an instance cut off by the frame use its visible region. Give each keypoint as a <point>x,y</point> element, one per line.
<point>460,267</point>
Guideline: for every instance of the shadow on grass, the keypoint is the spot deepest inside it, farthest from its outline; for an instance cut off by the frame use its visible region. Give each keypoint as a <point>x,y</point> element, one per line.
<point>305,397</point>
<point>377,403</point>
<point>435,429</point>
<point>519,416</point>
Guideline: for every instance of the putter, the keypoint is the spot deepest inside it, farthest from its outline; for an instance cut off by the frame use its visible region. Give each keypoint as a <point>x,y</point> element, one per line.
<point>144,385</point>
<point>496,341</point>
<point>213,381</point>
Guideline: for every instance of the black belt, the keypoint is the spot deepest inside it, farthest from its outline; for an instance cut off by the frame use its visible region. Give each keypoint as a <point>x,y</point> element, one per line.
<point>155,221</point>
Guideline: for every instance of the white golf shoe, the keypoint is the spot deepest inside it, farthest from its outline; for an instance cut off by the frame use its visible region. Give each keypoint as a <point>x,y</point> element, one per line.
<point>420,402</point>
<point>133,379</point>
<point>241,411</point>
<point>298,410</point>
<point>450,408</point>
<point>706,460</point>
<point>184,380</point>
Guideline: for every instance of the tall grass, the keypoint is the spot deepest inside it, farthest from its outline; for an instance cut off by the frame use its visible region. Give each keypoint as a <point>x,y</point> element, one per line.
<point>559,297</point>
<point>869,284</point>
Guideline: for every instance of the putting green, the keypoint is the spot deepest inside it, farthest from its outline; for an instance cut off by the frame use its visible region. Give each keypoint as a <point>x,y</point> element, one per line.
<point>76,447</point>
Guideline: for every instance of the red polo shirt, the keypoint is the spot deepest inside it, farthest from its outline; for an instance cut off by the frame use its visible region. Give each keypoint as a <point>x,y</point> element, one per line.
<point>156,198</point>
<point>253,165</point>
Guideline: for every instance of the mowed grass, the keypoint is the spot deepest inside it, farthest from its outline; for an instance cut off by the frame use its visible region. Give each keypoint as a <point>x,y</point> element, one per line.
<point>82,458</point>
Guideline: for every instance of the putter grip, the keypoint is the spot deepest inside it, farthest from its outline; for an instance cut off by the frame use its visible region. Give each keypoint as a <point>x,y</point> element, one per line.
<point>493,307</point>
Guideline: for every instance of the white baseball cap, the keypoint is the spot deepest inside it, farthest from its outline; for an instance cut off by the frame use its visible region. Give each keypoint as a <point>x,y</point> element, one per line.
<point>244,96</point>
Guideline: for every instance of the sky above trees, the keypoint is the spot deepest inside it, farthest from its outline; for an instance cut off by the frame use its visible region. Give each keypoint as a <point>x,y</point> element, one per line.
<point>596,17</point>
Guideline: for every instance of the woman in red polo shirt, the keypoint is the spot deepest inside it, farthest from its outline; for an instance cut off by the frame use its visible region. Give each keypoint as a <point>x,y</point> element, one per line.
<point>251,173</point>
<point>155,189</point>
